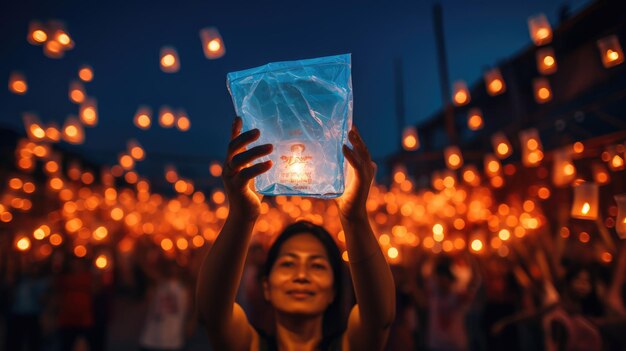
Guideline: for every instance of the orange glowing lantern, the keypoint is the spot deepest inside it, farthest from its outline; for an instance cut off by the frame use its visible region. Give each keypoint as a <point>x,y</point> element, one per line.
<point>142,118</point>
<point>166,117</point>
<point>169,60</point>
<point>212,43</point>
<point>53,49</point>
<point>461,95</point>
<point>85,73</point>
<point>126,161</point>
<point>17,83</point>
<point>563,168</point>
<point>600,173</point>
<point>471,176</point>
<point>34,128</point>
<point>89,112</point>
<point>101,262</point>
<point>475,119</point>
<point>22,243</point>
<point>410,139</point>
<point>620,220</point>
<point>615,160</point>
<point>585,205</point>
<point>494,82</point>
<point>454,158</point>
<point>36,33</point>
<point>215,169</point>
<point>61,36</point>
<point>73,132</point>
<point>170,174</point>
<point>546,61</point>
<point>182,121</point>
<point>532,150</point>
<point>399,173</point>
<point>492,165</point>
<point>501,145</point>
<point>135,150</point>
<point>77,92</point>
<point>610,51</point>
<point>540,29</point>
<point>542,90</point>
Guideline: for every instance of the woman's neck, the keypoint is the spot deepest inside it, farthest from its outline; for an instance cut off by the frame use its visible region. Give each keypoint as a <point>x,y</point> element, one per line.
<point>298,333</point>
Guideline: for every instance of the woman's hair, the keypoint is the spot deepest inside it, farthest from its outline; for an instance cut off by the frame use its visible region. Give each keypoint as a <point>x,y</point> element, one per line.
<point>333,322</point>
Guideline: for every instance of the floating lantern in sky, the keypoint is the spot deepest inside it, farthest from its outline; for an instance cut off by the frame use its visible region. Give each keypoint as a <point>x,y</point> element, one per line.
<point>615,160</point>
<point>17,83</point>
<point>532,149</point>
<point>85,73</point>
<point>77,92</point>
<point>494,82</point>
<point>53,133</point>
<point>492,165</point>
<point>212,43</point>
<point>215,169</point>
<point>540,29</point>
<point>142,117</point>
<point>182,121</point>
<point>585,205</point>
<point>53,49</point>
<point>471,175</point>
<point>475,119</point>
<point>460,95</point>
<point>36,33</point>
<point>410,139</point>
<point>135,150</point>
<point>546,61</point>
<point>166,117</point>
<point>620,220</point>
<point>453,156</point>
<point>73,132</point>
<point>610,51</point>
<point>32,125</point>
<point>600,173</point>
<point>501,145</point>
<point>89,112</point>
<point>542,90</point>
<point>169,60</point>
<point>563,171</point>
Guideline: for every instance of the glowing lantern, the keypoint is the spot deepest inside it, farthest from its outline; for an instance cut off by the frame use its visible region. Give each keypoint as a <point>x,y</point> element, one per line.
<point>101,262</point>
<point>563,170</point>
<point>215,169</point>
<point>77,92</point>
<point>410,139</point>
<point>532,150</point>
<point>170,174</point>
<point>89,112</point>
<point>85,73</point>
<point>135,150</point>
<point>17,83</point>
<point>36,33</point>
<point>73,132</point>
<point>399,173</point>
<point>471,175</point>
<point>182,121</point>
<point>501,145</point>
<point>53,49</point>
<point>600,173</point>
<point>542,90</point>
<point>142,118</point>
<point>22,243</point>
<point>492,165</point>
<point>620,220</point>
<point>475,119</point>
<point>546,61</point>
<point>615,160</point>
<point>454,158</point>
<point>494,82</point>
<point>585,204</point>
<point>610,51</point>
<point>34,128</point>
<point>540,29</point>
<point>212,43</point>
<point>460,95</point>
<point>61,36</point>
<point>126,161</point>
<point>169,60</point>
<point>166,117</point>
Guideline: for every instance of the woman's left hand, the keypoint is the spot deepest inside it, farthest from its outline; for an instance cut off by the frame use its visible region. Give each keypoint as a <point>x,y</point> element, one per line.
<point>352,203</point>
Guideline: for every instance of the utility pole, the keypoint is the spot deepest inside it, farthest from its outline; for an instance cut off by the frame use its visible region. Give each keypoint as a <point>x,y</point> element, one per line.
<point>443,74</point>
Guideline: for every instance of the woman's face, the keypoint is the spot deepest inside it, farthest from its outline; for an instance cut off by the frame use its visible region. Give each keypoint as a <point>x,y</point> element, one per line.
<point>301,279</point>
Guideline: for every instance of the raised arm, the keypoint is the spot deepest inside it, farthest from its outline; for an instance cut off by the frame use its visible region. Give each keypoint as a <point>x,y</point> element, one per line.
<point>221,270</point>
<point>371,318</point>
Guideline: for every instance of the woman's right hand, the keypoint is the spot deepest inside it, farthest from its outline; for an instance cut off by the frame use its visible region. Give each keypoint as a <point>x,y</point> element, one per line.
<point>237,174</point>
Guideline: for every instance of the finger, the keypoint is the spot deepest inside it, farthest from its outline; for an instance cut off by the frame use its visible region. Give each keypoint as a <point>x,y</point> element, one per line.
<point>248,156</point>
<point>241,141</point>
<point>351,156</point>
<point>250,172</point>
<point>236,127</point>
<point>358,143</point>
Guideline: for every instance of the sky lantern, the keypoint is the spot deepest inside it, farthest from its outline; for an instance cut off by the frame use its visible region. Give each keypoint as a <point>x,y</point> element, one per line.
<point>17,83</point>
<point>215,169</point>
<point>615,160</point>
<point>77,92</point>
<point>73,132</point>
<point>532,149</point>
<point>540,29</point>
<point>171,175</point>
<point>460,94</point>
<point>85,73</point>
<point>22,243</point>
<point>453,156</point>
<point>501,145</point>
<point>546,61</point>
<point>61,36</point>
<point>471,176</point>
<point>126,161</point>
<point>101,262</point>
<point>53,133</point>
<point>542,90</point>
<point>610,51</point>
<point>182,121</point>
<point>563,171</point>
<point>475,119</point>
<point>410,139</point>
<point>492,165</point>
<point>620,220</point>
<point>212,43</point>
<point>34,128</point>
<point>53,49</point>
<point>37,34</point>
<point>135,150</point>
<point>143,118</point>
<point>89,112</point>
<point>600,173</point>
<point>166,117</point>
<point>494,82</point>
<point>585,205</point>
<point>169,60</point>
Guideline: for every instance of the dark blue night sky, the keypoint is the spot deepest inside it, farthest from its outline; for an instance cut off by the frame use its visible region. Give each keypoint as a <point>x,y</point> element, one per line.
<point>121,40</point>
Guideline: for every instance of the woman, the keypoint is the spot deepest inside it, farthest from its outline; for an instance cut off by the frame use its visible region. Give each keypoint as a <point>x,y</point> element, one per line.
<point>301,283</point>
